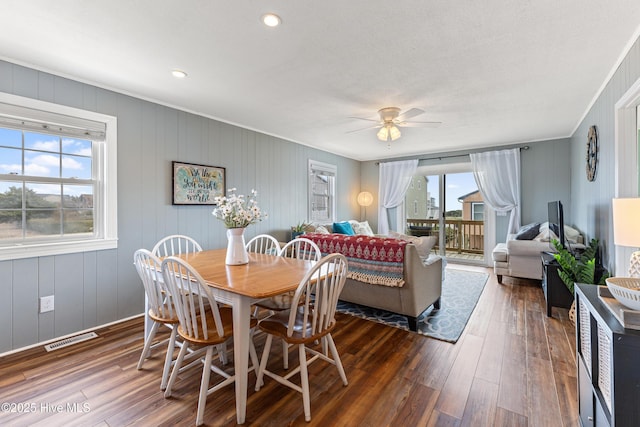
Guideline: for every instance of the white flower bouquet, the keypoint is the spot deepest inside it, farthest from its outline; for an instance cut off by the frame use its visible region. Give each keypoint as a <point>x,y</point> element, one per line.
<point>236,211</point>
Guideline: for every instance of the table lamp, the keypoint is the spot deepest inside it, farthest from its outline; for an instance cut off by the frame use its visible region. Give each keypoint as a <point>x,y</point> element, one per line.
<point>626,229</point>
<point>365,199</point>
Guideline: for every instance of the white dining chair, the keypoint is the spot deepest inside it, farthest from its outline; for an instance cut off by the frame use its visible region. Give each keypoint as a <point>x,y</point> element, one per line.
<point>203,324</point>
<point>161,309</point>
<point>300,248</point>
<point>263,244</point>
<point>311,318</point>
<point>176,244</point>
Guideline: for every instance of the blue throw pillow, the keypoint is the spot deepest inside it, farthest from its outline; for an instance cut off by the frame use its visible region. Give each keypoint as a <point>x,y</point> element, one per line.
<point>343,228</point>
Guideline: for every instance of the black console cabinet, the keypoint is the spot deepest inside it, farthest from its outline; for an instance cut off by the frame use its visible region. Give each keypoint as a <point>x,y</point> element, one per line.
<point>607,359</point>
<point>555,291</point>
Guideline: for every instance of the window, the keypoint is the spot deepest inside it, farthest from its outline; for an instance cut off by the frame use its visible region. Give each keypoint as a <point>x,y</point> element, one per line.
<point>322,191</point>
<point>57,179</point>
<point>477,211</point>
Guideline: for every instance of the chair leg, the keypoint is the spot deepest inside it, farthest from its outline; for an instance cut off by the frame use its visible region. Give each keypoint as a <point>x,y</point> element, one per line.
<point>147,343</point>
<point>204,386</point>
<point>263,361</point>
<point>285,354</point>
<point>222,353</point>
<point>168,358</point>
<point>252,354</point>
<point>304,381</point>
<point>176,368</point>
<point>336,359</point>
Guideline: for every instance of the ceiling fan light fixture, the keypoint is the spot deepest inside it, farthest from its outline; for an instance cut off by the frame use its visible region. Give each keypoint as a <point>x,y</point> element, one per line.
<point>388,132</point>
<point>383,133</point>
<point>394,132</point>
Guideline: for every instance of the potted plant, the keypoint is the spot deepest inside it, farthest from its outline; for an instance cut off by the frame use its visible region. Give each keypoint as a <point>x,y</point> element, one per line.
<point>578,268</point>
<point>298,229</point>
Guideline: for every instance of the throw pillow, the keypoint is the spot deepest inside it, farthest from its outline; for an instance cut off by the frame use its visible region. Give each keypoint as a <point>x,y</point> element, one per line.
<point>423,244</point>
<point>545,236</point>
<point>362,228</point>
<point>321,229</point>
<point>343,228</point>
<point>528,232</point>
<point>570,233</point>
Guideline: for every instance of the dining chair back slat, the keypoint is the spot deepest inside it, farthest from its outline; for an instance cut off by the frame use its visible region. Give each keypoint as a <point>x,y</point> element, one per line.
<point>159,299</point>
<point>176,244</point>
<point>263,244</point>
<point>192,299</point>
<point>301,248</point>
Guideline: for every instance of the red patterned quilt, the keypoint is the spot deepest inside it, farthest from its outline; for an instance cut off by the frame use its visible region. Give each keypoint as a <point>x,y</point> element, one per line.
<point>376,260</point>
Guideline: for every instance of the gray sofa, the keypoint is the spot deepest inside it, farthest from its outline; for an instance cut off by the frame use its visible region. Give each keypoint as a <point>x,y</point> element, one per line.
<point>422,288</point>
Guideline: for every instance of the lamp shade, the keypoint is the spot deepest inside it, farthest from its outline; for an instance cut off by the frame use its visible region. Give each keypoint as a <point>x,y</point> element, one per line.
<point>365,199</point>
<point>394,133</point>
<point>383,133</point>
<point>626,222</point>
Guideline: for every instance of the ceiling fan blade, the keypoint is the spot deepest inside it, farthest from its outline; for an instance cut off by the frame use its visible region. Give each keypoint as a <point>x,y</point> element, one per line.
<point>413,124</point>
<point>410,113</point>
<point>367,128</point>
<point>369,120</point>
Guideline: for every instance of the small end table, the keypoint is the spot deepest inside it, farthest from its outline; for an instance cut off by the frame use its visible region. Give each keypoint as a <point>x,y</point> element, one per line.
<point>555,291</point>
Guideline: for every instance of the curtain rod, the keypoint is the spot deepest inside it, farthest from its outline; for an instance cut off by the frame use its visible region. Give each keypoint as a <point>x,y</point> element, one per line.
<point>526,147</point>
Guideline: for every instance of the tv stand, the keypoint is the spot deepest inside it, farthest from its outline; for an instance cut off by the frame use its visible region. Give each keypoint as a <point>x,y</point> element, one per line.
<point>555,291</point>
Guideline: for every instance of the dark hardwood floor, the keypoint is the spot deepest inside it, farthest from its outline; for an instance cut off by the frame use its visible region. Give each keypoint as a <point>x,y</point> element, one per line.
<point>513,366</point>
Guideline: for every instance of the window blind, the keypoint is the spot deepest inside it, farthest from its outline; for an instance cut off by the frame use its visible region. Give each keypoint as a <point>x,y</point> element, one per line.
<point>17,117</point>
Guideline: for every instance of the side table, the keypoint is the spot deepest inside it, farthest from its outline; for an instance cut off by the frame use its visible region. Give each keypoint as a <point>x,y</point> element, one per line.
<point>555,291</point>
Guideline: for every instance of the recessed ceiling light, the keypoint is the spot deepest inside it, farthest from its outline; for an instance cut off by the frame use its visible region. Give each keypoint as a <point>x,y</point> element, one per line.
<point>179,74</point>
<point>271,19</point>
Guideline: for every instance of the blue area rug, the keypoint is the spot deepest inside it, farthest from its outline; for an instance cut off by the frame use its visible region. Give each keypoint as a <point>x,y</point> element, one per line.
<point>460,293</point>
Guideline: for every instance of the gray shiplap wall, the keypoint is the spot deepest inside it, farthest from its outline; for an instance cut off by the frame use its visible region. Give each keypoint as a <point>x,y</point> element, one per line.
<point>591,204</point>
<point>94,288</point>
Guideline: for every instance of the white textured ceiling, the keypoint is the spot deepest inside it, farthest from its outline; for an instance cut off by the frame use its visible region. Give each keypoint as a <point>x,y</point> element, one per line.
<point>493,72</point>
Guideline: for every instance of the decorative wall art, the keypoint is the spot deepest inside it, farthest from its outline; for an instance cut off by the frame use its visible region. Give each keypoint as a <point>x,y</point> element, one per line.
<point>592,153</point>
<point>197,184</point>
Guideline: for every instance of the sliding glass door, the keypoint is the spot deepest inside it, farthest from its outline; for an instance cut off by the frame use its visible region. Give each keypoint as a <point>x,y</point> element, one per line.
<point>449,206</point>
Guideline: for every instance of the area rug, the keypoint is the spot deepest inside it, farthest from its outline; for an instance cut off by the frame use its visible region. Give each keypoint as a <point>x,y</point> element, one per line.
<point>460,293</point>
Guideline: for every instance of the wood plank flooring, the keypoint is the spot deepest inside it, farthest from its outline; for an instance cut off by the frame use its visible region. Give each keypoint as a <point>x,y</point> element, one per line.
<point>513,366</point>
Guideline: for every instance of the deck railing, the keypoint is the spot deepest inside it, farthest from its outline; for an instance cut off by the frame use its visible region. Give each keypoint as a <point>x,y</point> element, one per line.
<point>461,236</point>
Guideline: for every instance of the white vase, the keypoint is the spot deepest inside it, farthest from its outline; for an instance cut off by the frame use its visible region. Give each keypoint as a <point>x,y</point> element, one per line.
<point>236,250</point>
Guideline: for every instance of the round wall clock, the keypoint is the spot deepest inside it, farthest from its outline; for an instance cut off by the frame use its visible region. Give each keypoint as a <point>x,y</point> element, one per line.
<point>592,153</point>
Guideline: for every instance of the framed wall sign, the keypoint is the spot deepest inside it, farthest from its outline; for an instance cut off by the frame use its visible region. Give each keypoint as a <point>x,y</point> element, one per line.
<point>197,184</point>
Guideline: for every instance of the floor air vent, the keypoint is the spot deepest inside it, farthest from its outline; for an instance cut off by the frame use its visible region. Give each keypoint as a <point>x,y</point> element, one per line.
<point>70,341</point>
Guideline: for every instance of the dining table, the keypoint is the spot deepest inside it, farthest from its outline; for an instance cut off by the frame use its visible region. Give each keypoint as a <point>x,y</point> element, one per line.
<point>240,286</point>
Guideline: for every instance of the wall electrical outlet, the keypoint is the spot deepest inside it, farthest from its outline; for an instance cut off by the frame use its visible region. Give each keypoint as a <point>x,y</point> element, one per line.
<point>46,304</point>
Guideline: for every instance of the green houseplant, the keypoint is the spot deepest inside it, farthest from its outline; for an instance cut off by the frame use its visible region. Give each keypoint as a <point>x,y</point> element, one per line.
<point>298,229</point>
<point>578,269</point>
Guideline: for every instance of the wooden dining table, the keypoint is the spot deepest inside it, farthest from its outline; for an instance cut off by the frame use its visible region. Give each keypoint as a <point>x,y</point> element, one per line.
<point>240,286</point>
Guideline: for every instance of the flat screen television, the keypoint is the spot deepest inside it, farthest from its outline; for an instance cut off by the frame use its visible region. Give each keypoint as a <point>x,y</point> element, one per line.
<point>556,222</point>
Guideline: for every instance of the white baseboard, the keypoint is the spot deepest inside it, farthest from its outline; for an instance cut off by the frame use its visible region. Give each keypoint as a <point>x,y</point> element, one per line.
<point>17,350</point>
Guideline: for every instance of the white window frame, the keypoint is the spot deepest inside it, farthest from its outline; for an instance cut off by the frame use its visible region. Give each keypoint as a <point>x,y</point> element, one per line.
<point>473,210</point>
<point>105,197</point>
<point>326,169</point>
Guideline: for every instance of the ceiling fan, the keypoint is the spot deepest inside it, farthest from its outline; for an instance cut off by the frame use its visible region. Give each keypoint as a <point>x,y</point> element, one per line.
<point>391,119</point>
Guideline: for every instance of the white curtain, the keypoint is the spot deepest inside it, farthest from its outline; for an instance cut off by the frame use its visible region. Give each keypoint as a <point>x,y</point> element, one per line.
<point>497,174</point>
<point>395,178</point>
